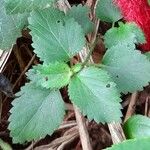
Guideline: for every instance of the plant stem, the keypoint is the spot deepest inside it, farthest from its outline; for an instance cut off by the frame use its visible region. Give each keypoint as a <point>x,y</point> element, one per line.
<point>91,48</point>
<point>113,24</point>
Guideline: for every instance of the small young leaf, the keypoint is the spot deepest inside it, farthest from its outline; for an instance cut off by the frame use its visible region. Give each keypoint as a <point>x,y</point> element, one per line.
<point>56,39</point>
<point>21,6</point>
<point>129,68</point>
<point>10,27</point>
<point>134,144</point>
<point>36,113</point>
<point>96,95</point>
<point>128,33</point>
<point>137,126</point>
<point>50,76</point>
<point>80,14</point>
<point>107,11</point>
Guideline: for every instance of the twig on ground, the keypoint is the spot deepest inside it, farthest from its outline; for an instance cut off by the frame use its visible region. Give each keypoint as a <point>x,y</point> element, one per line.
<point>67,124</point>
<point>62,140</point>
<point>30,54</point>
<point>69,106</point>
<point>71,130</point>
<point>147,107</point>
<point>25,70</point>
<point>116,132</point>
<point>30,147</point>
<point>22,74</point>
<point>92,4</point>
<point>126,102</point>
<point>84,136</point>
<point>89,3</point>
<point>19,58</point>
<point>131,107</point>
<point>3,58</point>
<point>70,115</point>
<point>62,146</point>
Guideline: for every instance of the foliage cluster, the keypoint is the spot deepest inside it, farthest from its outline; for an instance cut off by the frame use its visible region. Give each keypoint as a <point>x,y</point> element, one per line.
<point>57,38</point>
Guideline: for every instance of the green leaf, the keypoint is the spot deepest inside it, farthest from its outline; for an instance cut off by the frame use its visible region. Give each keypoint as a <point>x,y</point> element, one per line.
<point>147,55</point>
<point>137,126</point>
<point>93,91</point>
<point>10,27</point>
<point>107,11</point>
<point>4,145</point>
<point>36,113</point>
<point>21,6</point>
<point>134,144</point>
<point>80,14</point>
<point>128,33</point>
<point>50,76</point>
<point>148,2</point>
<point>55,39</point>
<point>129,68</point>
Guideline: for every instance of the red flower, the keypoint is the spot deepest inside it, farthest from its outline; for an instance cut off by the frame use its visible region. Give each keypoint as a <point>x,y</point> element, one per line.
<point>137,11</point>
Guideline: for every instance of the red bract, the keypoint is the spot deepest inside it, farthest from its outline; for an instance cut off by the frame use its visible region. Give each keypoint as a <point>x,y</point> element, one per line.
<point>137,11</point>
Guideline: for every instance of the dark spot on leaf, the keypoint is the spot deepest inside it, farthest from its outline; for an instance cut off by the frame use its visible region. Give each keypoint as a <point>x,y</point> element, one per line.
<point>58,21</point>
<point>117,76</point>
<point>46,78</point>
<point>108,85</point>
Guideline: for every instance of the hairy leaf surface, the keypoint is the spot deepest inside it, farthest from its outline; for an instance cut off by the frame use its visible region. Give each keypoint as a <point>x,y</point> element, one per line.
<point>21,6</point>
<point>36,113</point>
<point>81,15</point>
<point>93,91</point>
<point>107,11</point>
<point>128,33</point>
<point>128,67</point>
<point>55,38</point>
<point>10,27</point>
<point>50,76</point>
